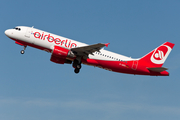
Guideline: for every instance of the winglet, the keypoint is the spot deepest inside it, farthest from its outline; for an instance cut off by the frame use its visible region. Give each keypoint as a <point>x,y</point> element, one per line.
<point>106,44</point>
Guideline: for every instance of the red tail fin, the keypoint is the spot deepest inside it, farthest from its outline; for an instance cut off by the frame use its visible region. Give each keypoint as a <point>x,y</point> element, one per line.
<point>157,57</point>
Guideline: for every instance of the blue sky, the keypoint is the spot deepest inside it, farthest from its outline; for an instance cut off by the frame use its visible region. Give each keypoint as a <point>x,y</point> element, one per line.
<point>33,88</point>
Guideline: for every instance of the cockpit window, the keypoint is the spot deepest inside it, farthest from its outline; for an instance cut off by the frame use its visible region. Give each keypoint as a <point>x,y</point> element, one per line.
<point>16,28</point>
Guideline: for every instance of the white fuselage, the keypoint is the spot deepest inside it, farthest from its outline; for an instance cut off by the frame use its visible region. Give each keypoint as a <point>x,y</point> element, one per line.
<point>65,50</point>
<point>40,38</point>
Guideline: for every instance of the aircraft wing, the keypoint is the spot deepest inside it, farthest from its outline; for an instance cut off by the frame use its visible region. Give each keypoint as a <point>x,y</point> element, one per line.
<point>86,50</point>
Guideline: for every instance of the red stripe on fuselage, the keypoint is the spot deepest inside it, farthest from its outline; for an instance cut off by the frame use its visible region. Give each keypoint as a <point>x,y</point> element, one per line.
<point>123,67</point>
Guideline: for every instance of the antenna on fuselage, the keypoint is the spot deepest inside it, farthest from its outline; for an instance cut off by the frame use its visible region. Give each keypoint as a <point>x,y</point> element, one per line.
<point>32,26</point>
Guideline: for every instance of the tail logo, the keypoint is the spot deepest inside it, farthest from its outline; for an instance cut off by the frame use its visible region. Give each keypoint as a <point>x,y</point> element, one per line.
<point>160,54</point>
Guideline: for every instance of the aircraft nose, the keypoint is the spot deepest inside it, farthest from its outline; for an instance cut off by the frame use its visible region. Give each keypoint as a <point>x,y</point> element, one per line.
<point>8,33</point>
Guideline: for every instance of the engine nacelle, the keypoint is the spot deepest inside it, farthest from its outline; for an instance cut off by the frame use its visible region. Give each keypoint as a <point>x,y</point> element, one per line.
<point>60,54</point>
<point>60,60</point>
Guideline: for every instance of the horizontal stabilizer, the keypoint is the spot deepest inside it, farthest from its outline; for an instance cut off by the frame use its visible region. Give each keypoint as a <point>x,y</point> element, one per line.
<point>157,69</point>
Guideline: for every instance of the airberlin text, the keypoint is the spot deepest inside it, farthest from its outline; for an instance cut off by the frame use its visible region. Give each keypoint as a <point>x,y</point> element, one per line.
<point>67,43</point>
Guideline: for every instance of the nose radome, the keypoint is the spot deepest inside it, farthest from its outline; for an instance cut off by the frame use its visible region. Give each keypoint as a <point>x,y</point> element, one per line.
<point>8,33</point>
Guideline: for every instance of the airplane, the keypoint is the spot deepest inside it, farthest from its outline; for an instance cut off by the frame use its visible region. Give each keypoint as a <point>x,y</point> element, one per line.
<point>67,51</point>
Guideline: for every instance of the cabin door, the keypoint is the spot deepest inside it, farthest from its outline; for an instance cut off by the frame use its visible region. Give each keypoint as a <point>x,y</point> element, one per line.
<point>28,32</point>
<point>135,64</point>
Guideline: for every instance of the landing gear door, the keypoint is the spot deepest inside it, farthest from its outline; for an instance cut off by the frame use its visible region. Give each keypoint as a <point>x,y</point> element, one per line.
<point>28,32</point>
<point>134,65</point>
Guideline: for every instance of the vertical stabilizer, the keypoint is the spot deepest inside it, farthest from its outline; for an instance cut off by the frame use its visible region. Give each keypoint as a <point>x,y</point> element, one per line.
<point>158,56</point>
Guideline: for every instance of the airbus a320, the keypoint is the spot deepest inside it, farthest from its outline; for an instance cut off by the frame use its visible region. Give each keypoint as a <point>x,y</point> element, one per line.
<point>68,51</point>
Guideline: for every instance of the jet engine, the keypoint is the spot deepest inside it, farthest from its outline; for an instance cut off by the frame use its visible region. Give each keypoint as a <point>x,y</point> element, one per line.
<point>60,55</point>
